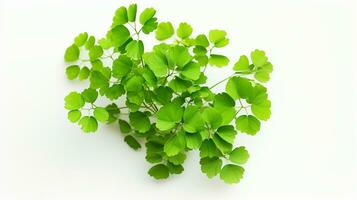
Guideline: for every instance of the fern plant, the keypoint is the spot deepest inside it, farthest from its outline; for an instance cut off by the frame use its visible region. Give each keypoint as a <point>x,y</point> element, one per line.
<point>159,97</point>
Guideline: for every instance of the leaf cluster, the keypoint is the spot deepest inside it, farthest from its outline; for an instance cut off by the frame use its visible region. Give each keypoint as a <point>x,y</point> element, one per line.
<point>166,104</point>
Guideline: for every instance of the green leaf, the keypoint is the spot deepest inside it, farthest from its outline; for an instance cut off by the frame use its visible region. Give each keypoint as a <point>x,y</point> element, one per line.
<point>211,166</point>
<point>258,58</point>
<point>159,171</point>
<point>115,91</point>
<point>101,114</point>
<point>238,87</point>
<point>132,142</point>
<point>179,85</point>
<point>105,43</point>
<point>72,53</point>
<point>248,124</point>
<point>135,49</point>
<point>122,66</point>
<point>149,77</point>
<point>146,15</point>
<point>97,65</point>
<point>199,51</point>
<point>74,101</point>
<point>175,144</point>
<point>81,39</point>
<point>221,144</point>
<point>227,133</point>
<point>209,149</point>
<point>150,26</point>
<point>177,159</point>
<point>89,95</point>
<point>218,60</point>
<point>193,140</point>
<point>132,12</point>
<point>192,118</point>
<point>83,73</point>
<point>113,111</point>
<point>154,151</point>
<point>163,95</point>
<point>119,35</point>
<point>139,121</point>
<point>175,169</point>
<point>98,80</point>
<point>218,38</point>
<point>74,115</point>
<point>262,110</point>
<point>225,105</point>
<point>156,63</point>
<point>72,72</point>
<point>258,94</point>
<point>184,30</point>
<point>212,117</point>
<point>90,42</point>
<point>153,158</point>
<point>134,84</point>
<point>88,124</point>
<point>191,71</point>
<point>202,40</point>
<point>263,73</point>
<point>164,31</point>
<point>239,155</point>
<point>242,64</point>
<point>231,173</point>
<point>168,116</point>
<point>179,56</point>
<point>120,17</point>
<point>95,52</point>
<point>124,126</point>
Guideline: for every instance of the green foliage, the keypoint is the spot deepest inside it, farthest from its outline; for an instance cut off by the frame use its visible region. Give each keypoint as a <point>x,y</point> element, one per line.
<point>164,31</point>
<point>168,107</point>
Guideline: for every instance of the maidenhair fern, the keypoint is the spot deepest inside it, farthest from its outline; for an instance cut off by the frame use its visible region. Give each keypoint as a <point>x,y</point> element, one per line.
<point>166,104</point>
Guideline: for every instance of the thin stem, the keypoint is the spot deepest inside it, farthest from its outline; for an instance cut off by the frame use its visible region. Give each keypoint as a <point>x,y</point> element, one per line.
<point>149,108</point>
<point>204,69</point>
<point>221,81</point>
<point>241,104</point>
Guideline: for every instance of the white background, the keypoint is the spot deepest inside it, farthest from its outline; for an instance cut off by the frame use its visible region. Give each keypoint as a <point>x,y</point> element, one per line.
<point>307,150</point>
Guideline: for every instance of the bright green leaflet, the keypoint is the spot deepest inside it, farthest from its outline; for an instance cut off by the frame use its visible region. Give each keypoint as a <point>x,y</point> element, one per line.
<point>231,173</point>
<point>72,53</point>
<point>211,166</point>
<point>239,155</point>
<point>218,60</point>
<point>158,94</point>
<point>184,30</point>
<point>74,115</point>
<point>74,101</point>
<point>101,114</point>
<point>139,121</point>
<point>81,39</point>
<point>156,63</point>
<point>88,124</point>
<point>168,116</point>
<point>135,49</point>
<point>159,171</point>
<point>132,142</point>
<point>175,144</point>
<point>248,124</point>
<point>132,12</point>
<point>72,72</point>
<point>89,95</point>
<point>120,17</point>
<point>164,31</point>
<point>124,126</point>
